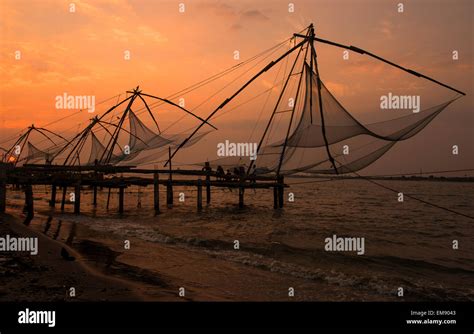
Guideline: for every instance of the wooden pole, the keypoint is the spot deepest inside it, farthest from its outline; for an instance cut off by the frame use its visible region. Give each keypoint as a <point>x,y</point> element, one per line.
<point>3,190</point>
<point>63,201</point>
<point>199,195</point>
<point>169,194</point>
<point>108,199</point>
<point>320,100</point>
<point>77,198</point>
<point>282,93</point>
<point>275,197</point>
<point>156,192</point>
<point>29,206</point>
<point>94,200</point>
<point>121,197</point>
<point>241,197</point>
<point>52,202</point>
<point>108,152</point>
<point>300,80</point>
<point>265,69</point>
<point>280,192</point>
<point>208,188</point>
<point>169,187</point>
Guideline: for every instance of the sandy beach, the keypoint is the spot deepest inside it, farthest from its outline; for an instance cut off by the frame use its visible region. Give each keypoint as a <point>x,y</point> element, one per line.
<point>48,277</point>
<point>102,271</point>
<point>278,251</point>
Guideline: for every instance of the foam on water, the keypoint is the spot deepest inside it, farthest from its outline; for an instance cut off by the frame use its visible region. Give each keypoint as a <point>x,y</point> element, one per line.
<point>407,244</point>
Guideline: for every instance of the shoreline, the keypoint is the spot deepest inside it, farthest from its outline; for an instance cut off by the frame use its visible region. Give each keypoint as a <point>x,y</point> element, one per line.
<point>103,271</point>
<point>154,268</point>
<point>429,178</point>
<point>48,277</point>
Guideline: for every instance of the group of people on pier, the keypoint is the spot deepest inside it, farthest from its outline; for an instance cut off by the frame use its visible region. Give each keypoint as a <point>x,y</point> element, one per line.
<point>237,173</point>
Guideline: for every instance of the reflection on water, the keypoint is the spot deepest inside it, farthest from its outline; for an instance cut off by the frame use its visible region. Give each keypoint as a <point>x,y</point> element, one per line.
<point>406,243</point>
<point>58,229</point>
<point>72,234</point>
<point>47,224</point>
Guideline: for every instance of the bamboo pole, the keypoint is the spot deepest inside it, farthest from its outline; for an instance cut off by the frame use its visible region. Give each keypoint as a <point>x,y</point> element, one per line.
<point>275,197</point>
<point>94,200</point>
<point>108,199</point>
<point>29,203</point>
<point>121,198</point>
<point>199,195</point>
<point>280,192</point>
<point>241,197</point>
<point>3,190</point>
<point>208,188</point>
<point>63,201</point>
<point>169,187</point>
<point>156,192</point>
<point>52,202</point>
<point>77,198</point>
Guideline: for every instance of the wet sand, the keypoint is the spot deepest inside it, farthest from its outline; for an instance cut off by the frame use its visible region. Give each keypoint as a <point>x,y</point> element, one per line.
<point>104,271</point>
<point>278,249</point>
<point>47,276</point>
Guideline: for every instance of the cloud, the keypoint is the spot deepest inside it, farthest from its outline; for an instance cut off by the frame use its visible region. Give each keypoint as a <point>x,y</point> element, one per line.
<point>386,29</point>
<point>254,15</point>
<point>220,9</point>
<point>339,89</point>
<point>236,26</point>
<point>151,34</point>
<point>140,35</point>
<point>239,18</point>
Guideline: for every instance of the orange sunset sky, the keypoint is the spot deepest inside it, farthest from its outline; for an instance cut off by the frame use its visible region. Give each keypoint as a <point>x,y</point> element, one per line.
<point>82,53</point>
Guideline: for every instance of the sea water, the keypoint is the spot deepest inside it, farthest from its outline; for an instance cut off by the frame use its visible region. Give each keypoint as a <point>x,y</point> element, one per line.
<point>406,244</point>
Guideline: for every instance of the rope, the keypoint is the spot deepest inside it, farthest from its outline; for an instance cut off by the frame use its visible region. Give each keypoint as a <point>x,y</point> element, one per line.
<point>314,181</point>
<point>410,196</point>
<point>58,120</point>
<point>431,172</point>
<point>185,90</point>
<point>421,200</point>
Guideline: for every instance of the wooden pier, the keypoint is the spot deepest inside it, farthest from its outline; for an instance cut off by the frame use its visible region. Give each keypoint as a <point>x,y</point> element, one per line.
<point>75,178</point>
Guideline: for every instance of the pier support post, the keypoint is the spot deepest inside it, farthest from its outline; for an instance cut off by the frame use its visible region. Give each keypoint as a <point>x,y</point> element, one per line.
<point>94,199</point>
<point>169,187</point>
<point>156,192</point>
<point>63,201</point>
<point>169,194</point>
<point>241,197</point>
<point>77,198</point>
<point>3,190</point>
<point>208,188</point>
<point>108,199</point>
<point>199,195</point>
<point>121,197</point>
<point>52,202</point>
<point>275,197</point>
<point>29,206</point>
<point>281,192</point>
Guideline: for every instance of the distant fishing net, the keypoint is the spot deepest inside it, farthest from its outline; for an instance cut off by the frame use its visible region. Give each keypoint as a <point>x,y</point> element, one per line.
<point>145,143</point>
<point>97,151</point>
<point>37,156</point>
<point>141,137</point>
